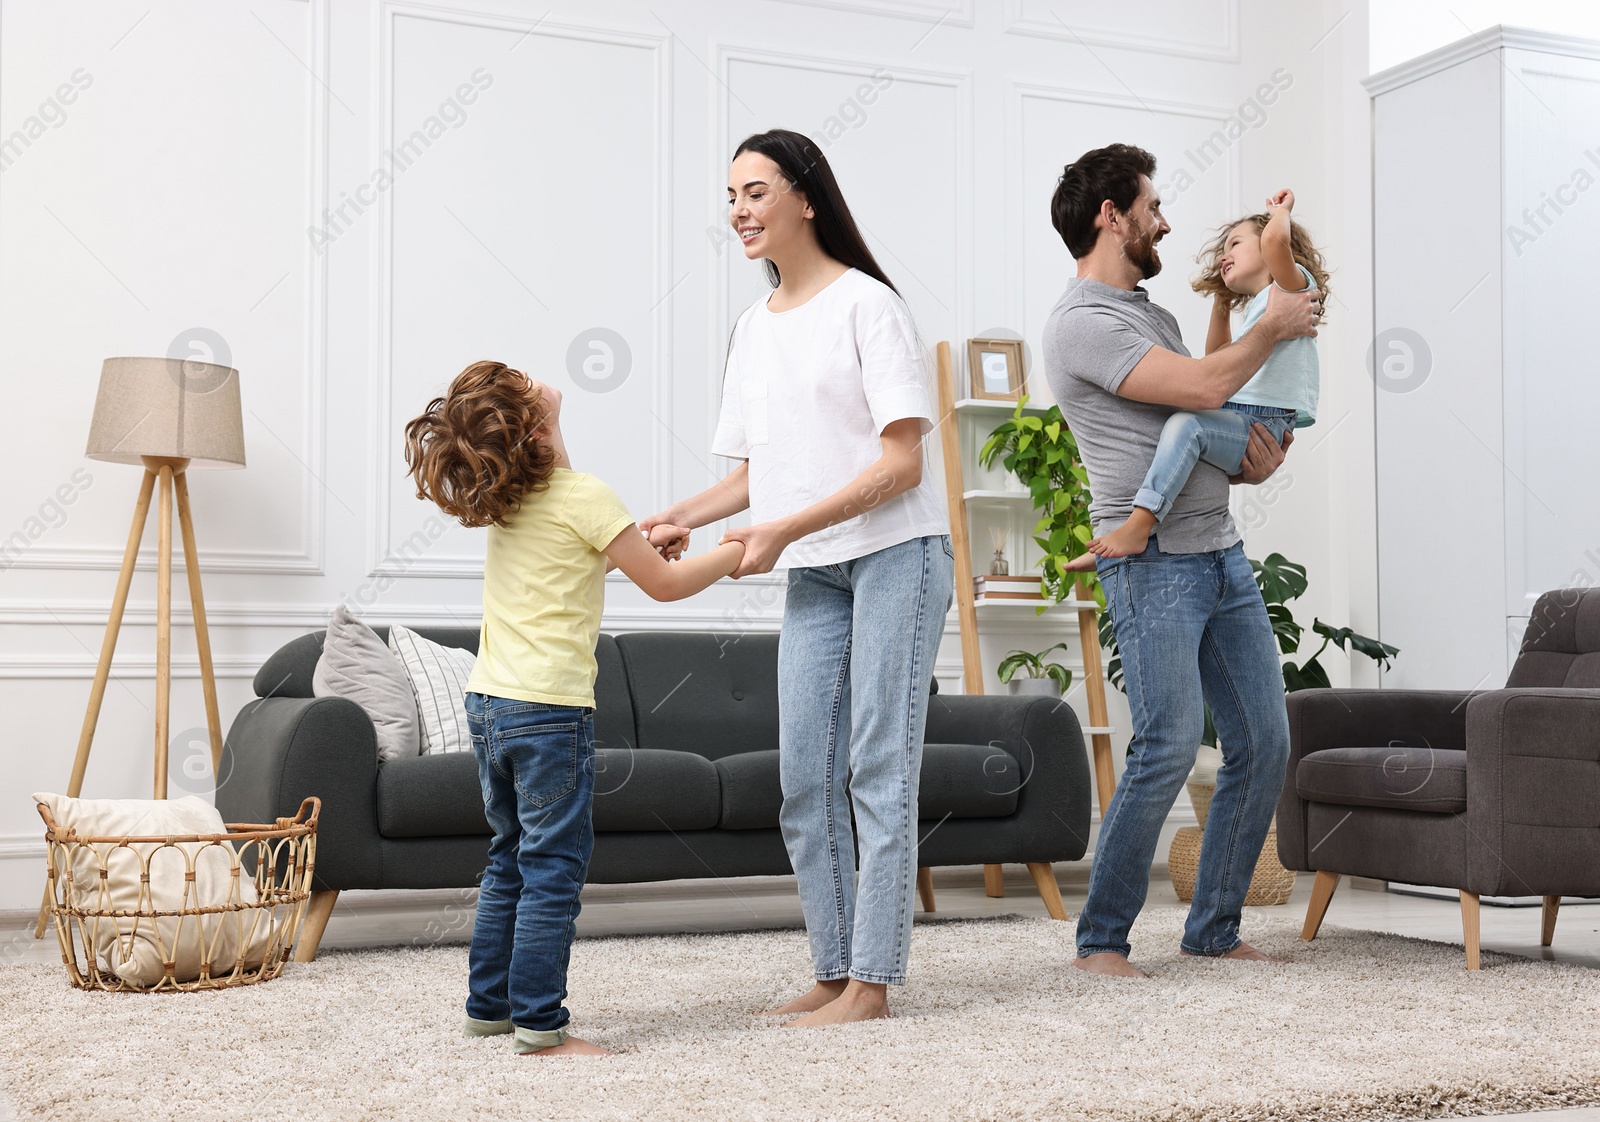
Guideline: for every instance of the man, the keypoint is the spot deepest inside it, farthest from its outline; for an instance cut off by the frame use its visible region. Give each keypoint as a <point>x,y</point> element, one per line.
<point>1189,619</point>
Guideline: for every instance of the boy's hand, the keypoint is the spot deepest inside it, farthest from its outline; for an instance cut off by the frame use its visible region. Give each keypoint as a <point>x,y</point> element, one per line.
<point>669,540</point>
<point>1284,198</point>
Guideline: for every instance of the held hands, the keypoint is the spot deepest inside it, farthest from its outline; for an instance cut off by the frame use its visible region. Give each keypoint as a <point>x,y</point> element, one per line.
<point>1284,198</point>
<point>763,543</point>
<point>669,540</point>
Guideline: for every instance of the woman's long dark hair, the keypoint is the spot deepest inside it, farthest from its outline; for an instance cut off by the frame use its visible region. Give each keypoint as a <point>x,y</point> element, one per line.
<point>802,163</point>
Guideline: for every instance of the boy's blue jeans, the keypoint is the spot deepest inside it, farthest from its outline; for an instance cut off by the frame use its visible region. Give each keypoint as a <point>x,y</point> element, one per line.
<point>536,768</point>
<point>854,663</point>
<point>1217,436</point>
<point>1190,627</point>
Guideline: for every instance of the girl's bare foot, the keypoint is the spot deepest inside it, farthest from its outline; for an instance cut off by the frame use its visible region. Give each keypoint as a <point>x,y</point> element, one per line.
<point>571,1046</point>
<point>860,1001</point>
<point>1083,563</point>
<point>1108,963</point>
<point>1127,539</point>
<point>819,995</point>
<point>1243,950</point>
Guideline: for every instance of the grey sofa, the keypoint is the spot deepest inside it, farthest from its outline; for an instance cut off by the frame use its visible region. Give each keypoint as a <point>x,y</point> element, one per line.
<point>686,732</point>
<point>1491,793</point>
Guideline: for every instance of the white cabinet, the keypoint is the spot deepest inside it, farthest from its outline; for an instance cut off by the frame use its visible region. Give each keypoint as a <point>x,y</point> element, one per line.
<point>1486,246</point>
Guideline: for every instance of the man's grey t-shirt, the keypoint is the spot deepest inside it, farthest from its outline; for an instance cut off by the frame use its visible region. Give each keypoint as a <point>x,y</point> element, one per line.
<point>1093,337</point>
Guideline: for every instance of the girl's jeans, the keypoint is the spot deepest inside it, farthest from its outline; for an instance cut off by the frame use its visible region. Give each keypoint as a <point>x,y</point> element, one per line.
<point>1191,627</point>
<point>1217,436</point>
<point>854,664</point>
<point>536,768</point>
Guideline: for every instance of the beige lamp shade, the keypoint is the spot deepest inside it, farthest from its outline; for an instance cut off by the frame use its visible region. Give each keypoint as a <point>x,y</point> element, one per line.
<point>167,407</point>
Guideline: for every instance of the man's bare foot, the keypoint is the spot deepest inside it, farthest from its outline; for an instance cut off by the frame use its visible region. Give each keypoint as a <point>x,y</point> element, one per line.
<point>819,995</point>
<point>1127,539</point>
<point>1110,964</point>
<point>571,1046</point>
<point>860,1001</point>
<point>1243,951</point>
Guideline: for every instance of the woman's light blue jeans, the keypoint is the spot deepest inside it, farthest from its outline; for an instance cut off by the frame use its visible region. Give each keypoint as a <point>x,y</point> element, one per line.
<point>855,661</point>
<point>1217,436</point>
<point>1191,627</point>
<point>536,768</point>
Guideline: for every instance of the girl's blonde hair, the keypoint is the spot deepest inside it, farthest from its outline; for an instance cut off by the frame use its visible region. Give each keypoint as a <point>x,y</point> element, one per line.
<point>476,451</point>
<point>1209,282</point>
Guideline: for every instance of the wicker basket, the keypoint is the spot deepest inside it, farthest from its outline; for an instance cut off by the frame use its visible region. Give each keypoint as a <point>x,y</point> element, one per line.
<point>1271,884</point>
<point>274,864</point>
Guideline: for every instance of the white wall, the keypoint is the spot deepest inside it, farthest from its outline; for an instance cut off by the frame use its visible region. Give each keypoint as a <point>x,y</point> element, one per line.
<point>1404,29</point>
<point>202,176</point>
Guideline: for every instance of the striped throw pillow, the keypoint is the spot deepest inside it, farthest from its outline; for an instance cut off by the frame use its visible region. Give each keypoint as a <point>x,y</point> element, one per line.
<point>439,679</point>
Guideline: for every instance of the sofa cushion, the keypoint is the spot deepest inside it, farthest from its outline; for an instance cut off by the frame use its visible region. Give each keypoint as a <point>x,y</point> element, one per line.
<point>356,664</point>
<point>713,695</point>
<point>958,781</point>
<point>613,706</point>
<point>751,794</point>
<point>968,781</point>
<point>430,797</point>
<point>644,790</point>
<point>1397,778</point>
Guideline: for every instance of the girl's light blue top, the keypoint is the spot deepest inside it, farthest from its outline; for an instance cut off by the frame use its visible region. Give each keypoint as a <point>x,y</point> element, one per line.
<point>1291,376</point>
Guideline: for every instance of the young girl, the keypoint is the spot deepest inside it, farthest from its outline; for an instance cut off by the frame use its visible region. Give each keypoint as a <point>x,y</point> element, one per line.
<point>490,453</point>
<point>1238,267</point>
<point>824,404</point>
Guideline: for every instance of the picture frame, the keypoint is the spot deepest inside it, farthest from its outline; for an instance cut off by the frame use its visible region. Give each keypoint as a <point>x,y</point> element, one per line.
<point>995,369</point>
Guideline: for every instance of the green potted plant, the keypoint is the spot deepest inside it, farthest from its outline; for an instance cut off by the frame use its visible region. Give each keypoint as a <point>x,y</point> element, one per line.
<point>1040,451</point>
<point>1049,679</point>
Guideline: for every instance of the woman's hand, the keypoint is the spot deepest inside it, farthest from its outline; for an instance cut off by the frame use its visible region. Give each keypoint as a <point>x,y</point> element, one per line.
<point>668,538</point>
<point>763,543</point>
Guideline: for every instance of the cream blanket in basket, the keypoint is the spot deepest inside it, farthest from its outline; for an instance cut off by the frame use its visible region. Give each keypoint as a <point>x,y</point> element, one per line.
<point>133,948</point>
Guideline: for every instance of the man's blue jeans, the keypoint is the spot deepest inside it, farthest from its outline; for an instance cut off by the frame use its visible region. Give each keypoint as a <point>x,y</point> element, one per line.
<point>1190,626</point>
<point>1217,436</point>
<point>854,663</point>
<point>536,768</point>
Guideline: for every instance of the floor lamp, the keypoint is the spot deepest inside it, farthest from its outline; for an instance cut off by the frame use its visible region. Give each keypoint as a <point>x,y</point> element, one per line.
<point>168,415</point>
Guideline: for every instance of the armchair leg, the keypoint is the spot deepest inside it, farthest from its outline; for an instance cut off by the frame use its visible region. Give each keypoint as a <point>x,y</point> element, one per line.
<point>994,881</point>
<point>925,887</point>
<point>1044,878</point>
<point>1469,927</point>
<point>318,909</point>
<point>1321,896</point>
<point>1547,931</point>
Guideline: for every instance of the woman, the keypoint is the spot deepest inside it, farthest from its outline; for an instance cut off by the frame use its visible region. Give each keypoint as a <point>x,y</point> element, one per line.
<point>825,402</point>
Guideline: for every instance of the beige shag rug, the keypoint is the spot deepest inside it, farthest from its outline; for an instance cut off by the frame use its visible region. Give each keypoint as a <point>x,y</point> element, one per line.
<point>994,1025</point>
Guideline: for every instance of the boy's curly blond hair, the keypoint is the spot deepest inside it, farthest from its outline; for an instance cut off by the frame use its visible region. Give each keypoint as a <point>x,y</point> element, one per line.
<point>476,451</point>
<point>1209,282</point>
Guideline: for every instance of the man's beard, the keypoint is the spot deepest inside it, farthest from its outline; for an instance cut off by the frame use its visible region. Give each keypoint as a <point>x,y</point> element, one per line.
<point>1141,249</point>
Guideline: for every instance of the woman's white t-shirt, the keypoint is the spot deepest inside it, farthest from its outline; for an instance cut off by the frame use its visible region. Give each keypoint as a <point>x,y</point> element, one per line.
<point>807,393</point>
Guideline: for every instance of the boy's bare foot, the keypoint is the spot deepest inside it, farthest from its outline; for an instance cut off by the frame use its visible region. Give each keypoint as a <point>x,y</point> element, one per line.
<point>571,1046</point>
<point>860,1001</point>
<point>819,995</point>
<point>1243,951</point>
<point>1127,539</point>
<point>1108,963</point>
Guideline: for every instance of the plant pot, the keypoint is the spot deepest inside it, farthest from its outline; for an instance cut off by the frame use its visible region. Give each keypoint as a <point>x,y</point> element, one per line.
<point>1034,687</point>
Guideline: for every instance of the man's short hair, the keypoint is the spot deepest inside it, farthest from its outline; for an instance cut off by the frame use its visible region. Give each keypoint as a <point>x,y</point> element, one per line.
<point>1112,172</point>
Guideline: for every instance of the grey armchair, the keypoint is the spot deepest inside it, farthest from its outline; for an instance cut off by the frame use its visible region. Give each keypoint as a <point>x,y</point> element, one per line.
<point>1491,793</point>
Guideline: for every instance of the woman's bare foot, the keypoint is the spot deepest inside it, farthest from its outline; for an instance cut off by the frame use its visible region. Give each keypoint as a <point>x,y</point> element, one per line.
<point>860,1001</point>
<point>1108,963</point>
<point>571,1046</point>
<point>1127,539</point>
<point>819,995</point>
<point>1243,951</point>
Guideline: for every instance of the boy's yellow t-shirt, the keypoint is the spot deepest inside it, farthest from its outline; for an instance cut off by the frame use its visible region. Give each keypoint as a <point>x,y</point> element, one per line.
<point>543,590</point>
